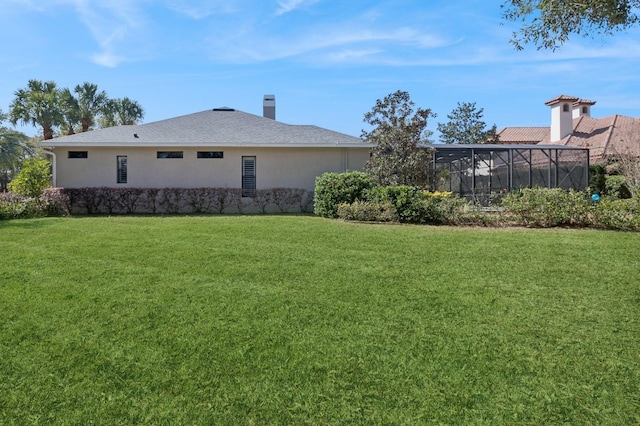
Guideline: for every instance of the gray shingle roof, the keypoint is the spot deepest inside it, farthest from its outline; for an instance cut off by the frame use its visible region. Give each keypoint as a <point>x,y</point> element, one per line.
<point>217,127</point>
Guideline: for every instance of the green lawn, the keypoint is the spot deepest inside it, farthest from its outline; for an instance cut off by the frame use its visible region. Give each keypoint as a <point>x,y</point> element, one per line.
<point>301,320</point>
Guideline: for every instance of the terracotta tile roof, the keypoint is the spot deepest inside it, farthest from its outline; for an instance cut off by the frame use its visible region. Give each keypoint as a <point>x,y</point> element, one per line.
<point>561,98</point>
<point>584,102</point>
<point>520,135</point>
<point>606,137</point>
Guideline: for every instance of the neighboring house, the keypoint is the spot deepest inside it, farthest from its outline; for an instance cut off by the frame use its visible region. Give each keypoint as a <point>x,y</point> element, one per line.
<point>572,125</point>
<point>222,147</point>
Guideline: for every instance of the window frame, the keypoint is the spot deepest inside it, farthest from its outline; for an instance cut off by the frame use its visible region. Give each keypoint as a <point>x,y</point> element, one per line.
<point>122,174</point>
<point>249,180</point>
<point>210,155</point>
<point>164,155</point>
<point>77,154</point>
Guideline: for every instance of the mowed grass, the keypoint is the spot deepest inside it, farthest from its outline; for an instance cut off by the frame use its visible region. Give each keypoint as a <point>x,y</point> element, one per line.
<point>301,320</point>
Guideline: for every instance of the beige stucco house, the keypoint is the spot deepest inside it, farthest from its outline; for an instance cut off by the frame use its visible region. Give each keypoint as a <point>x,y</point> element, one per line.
<point>572,125</point>
<point>221,147</point>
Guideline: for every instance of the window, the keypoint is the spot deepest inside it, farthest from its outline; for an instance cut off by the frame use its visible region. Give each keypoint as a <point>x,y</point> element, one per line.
<point>122,168</point>
<point>210,154</point>
<point>565,107</point>
<point>585,110</point>
<point>169,154</point>
<point>248,176</point>
<point>78,154</point>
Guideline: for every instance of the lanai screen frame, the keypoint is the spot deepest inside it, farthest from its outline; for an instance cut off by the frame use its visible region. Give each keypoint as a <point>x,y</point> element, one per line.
<point>484,172</point>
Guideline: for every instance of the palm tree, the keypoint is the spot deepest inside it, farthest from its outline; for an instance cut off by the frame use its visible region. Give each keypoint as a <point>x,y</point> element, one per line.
<point>39,105</point>
<point>14,148</point>
<point>119,112</point>
<point>71,114</point>
<point>91,103</point>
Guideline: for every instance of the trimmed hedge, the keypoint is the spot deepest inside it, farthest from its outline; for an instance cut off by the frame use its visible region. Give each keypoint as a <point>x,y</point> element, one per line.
<point>104,200</point>
<point>333,189</point>
<point>186,200</point>
<point>52,202</point>
<point>545,207</point>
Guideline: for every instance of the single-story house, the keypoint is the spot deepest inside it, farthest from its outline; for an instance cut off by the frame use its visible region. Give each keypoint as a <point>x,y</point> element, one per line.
<point>221,147</point>
<point>572,125</point>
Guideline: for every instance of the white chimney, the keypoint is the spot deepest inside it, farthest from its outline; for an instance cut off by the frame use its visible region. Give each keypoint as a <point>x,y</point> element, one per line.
<point>582,108</point>
<point>269,106</point>
<point>561,117</point>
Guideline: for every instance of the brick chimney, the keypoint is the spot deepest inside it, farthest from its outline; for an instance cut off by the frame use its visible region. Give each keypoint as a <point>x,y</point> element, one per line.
<point>561,117</point>
<point>269,106</point>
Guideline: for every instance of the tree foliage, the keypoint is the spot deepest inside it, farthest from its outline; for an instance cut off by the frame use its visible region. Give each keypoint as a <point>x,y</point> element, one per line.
<point>465,126</point>
<point>398,132</point>
<point>548,24</point>
<point>119,112</point>
<point>91,103</point>
<point>64,111</point>
<point>33,179</point>
<point>628,165</point>
<point>14,148</point>
<point>39,104</point>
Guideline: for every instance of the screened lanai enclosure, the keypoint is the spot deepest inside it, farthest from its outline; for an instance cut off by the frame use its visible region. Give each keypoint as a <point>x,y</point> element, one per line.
<point>483,173</point>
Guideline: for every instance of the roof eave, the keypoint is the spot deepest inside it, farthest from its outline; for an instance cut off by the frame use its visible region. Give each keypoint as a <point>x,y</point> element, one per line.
<point>204,145</point>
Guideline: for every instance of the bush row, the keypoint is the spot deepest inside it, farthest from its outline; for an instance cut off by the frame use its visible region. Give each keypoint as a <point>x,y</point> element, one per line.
<point>60,201</point>
<point>52,202</point>
<point>186,200</point>
<point>350,196</point>
<point>543,207</point>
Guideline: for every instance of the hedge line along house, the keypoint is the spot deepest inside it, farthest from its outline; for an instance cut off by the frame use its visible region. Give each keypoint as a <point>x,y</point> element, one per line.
<point>217,148</point>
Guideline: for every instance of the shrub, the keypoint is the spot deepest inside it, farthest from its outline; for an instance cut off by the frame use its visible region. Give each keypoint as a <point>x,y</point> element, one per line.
<point>367,211</point>
<point>616,187</point>
<point>16,206</point>
<point>546,207</point>
<point>199,199</point>
<point>333,189</point>
<point>51,202</point>
<point>621,214</point>
<point>223,198</point>
<point>262,198</point>
<point>414,205</point>
<point>55,202</point>
<point>128,198</point>
<point>172,200</point>
<point>597,178</point>
<point>32,179</point>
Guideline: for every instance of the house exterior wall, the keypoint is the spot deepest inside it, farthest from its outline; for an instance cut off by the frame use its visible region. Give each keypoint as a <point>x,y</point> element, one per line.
<point>275,167</point>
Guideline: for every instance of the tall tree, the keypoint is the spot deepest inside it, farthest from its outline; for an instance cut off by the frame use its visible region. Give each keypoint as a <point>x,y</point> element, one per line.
<point>91,103</point>
<point>14,148</point>
<point>398,132</point>
<point>118,112</point>
<point>548,24</point>
<point>70,112</point>
<point>465,126</point>
<point>39,104</point>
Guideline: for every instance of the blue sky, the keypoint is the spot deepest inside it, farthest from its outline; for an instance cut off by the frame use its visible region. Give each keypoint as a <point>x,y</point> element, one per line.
<point>327,61</point>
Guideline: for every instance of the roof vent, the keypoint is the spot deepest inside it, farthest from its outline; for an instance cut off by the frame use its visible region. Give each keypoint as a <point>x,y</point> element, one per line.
<point>226,109</point>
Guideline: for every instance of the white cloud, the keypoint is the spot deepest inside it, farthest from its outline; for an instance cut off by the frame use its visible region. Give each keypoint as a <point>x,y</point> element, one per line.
<point>117,27</point>
<point>287,6</point>
<point>201,9</point>
<point>107,59</point>
<point>332,43</point>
